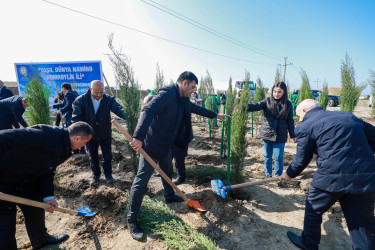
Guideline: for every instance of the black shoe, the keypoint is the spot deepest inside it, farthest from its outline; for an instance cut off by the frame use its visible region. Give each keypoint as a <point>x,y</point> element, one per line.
<point>52,239</point>
<point>173,198</point>
<point>109,179</point>
<point>136,232</point>
<point>95,182</point>
<point>179,180</point>
<point>296,240</point>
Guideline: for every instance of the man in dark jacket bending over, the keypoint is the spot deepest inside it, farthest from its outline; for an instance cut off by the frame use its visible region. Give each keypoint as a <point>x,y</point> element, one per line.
<point>28,159</point>
<point>11,111</point>
<point>95,108</point>
<point>165,121</point>
<point>345,147</point>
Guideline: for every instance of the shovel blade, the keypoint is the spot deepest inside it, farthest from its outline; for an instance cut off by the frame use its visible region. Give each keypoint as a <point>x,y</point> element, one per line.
<point>196,205</point>
<point>217,186</point>
<point>85,211</point>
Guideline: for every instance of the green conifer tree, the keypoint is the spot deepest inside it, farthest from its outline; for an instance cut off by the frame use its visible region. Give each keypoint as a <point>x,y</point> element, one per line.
<point>259,96</point>
<point>129,93</point>
<point>278,77</point>
<point>159,79</point>
<point>323,97</point>
<point>238,138</point>
<point>350,93</point>
<point>37,96</point>
<point>305,91</point>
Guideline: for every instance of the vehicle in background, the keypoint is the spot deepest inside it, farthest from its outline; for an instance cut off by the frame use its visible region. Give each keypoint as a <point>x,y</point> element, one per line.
<point>239,84</point>
<point>333,100</point>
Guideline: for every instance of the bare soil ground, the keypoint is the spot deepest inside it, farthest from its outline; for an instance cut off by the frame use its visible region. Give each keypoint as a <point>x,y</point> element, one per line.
<point>256,217</point>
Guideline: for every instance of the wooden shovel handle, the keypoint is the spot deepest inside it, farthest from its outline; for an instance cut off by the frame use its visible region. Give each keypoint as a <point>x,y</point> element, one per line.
<point>258,182</point>
<point>20,200</point>
<point>110,90</point>
<point>151,161</point>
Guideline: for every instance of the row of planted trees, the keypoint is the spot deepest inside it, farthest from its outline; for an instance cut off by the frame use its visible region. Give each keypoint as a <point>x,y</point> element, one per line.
<point>349,97</point>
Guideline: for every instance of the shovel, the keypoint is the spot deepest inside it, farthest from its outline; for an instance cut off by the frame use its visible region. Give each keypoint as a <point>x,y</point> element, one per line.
<point>194,204</point>
<point>219,188</point>
<point>83,211</point>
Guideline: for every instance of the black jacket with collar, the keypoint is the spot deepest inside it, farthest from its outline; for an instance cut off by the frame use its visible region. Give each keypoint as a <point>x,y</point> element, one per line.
<point>83,110</point>
<point>31,155</point>
<point>166,121</point>
<point>11,111</point>
<point>273,129</point>
<point>344,146</point>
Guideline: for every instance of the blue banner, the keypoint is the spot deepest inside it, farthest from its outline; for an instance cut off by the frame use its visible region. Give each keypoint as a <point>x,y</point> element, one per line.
<point>53,74</point>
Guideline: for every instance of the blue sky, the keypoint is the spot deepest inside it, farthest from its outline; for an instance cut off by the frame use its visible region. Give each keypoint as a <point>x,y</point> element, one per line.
<point>313,35</point>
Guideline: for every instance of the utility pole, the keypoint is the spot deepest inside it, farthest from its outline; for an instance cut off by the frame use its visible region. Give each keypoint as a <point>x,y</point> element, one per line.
<point>285,64</point>
<point>317,81</point>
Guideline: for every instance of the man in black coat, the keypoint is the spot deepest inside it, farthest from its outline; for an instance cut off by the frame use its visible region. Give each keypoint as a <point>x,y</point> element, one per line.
<point>66,108</point>
<point>11,111</point>
<point>345,147</point>
<point>28,160</point>
<point>4,91</point>
<point>95,108</point>
<point>165,121</point>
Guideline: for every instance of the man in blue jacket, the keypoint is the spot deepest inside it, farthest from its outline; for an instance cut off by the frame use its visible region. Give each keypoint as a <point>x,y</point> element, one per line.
<point>95,108</point>
<point>165,121</point>
<point>345,147</point>
<point>28,160</point>
<point>11,111</point>
<point>66,108</point>
<point>4,91</point>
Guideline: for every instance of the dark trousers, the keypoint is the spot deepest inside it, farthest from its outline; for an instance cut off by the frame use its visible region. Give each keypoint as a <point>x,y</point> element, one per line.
<point>34,217</point>
<point>58,120</point>
<point>92,149</point>
<point>179,155</point>
<point>358,211</point>
<point>140,182</point>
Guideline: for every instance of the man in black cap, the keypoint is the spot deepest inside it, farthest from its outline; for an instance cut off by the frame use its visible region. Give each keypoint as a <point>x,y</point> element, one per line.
<point>28,160</point>
<point>11,111</point>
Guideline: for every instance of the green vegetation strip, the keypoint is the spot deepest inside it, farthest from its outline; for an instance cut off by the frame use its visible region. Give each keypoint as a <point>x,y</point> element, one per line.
<point>156,218</point>
<point>194,171</point>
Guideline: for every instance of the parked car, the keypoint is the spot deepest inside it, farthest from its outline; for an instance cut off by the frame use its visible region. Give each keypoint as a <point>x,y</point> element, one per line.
<point>333,100</point>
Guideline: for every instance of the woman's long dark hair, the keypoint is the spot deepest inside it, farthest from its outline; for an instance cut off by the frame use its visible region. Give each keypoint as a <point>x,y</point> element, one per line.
<point>283,102</point>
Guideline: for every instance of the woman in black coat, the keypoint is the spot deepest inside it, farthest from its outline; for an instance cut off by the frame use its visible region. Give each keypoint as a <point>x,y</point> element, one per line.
<point>277,121</point>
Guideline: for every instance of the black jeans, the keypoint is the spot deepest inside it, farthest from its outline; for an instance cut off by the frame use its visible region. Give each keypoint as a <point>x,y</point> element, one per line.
<point>92,150</point>
<point>140,182</point>
<point>179,155</point>
<point>34,217</point>
<point>358,211</point>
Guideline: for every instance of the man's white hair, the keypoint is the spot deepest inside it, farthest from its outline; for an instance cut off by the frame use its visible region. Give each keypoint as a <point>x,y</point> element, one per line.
<point>308,104</point>
<point>95,82</point>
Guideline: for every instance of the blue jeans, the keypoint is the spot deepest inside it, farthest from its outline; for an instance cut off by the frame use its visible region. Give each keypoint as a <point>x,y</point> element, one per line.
<point>277,149</point>
<point>92,150</point>
<point>140,182</point>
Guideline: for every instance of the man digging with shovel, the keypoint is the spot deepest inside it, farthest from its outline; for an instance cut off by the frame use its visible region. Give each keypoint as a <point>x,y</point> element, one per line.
<point>345,147</point>
<point>28,159</point>
<point>165,121</point>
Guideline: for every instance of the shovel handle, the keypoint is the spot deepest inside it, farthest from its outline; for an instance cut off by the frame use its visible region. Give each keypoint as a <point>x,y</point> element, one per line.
<point>151,161</point>
<point>258,182</point>
<point>20,200</point>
